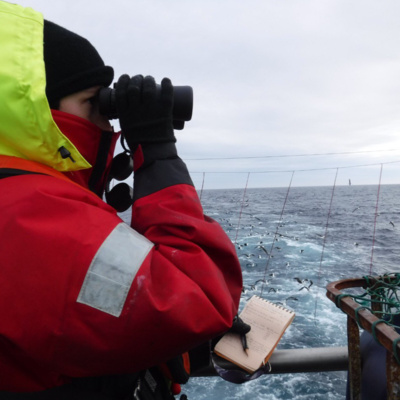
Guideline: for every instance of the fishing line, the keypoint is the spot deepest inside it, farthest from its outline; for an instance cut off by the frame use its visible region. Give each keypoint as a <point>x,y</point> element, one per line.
<point>324,242</point>
<point>291,155</point>
<point>241,207</point>
<point>376,216</point>
<point>276,234</point>
<point>202,185</point>
<point>298,170</point>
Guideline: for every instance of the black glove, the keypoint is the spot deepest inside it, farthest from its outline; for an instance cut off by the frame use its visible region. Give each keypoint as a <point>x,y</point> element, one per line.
<point>145,111</point>
<point>239,326</point>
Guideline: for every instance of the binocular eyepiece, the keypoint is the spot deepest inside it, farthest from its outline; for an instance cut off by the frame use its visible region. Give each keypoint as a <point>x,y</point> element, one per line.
<point>181,112</point>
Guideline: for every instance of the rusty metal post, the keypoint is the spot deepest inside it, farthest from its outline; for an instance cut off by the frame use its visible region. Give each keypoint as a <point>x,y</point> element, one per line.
<point>383,333</point>
<point>375,306</point>
<point>353,338</point>
<point>392,377</point>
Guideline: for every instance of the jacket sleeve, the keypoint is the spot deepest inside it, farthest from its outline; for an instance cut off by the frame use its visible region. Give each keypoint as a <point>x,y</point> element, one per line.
<point>190,282</point>
<point>185,279</point>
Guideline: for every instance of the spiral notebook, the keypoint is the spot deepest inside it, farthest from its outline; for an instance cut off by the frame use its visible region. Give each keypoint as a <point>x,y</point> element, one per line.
<point>268,323</point>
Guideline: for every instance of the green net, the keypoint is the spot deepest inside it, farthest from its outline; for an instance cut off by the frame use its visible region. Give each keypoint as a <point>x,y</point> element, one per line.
<point>381,297</point>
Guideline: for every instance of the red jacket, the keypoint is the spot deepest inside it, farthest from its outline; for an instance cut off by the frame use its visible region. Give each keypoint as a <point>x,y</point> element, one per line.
<point>84,294</point>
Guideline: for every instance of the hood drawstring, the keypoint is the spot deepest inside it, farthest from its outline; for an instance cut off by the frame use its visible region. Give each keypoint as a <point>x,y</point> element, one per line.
<point>65,153</point>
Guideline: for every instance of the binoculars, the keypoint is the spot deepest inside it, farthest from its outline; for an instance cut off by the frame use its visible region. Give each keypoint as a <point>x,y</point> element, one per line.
<point>181,112</point>
<point>121,196</point>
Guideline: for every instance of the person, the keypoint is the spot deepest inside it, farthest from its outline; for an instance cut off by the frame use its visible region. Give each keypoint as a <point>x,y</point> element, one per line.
<point>85,296</point>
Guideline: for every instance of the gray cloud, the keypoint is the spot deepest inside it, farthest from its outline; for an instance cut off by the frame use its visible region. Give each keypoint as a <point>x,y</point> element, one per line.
<point>270,78</point>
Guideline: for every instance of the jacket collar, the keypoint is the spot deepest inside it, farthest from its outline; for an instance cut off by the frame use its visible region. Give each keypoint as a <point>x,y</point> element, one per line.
<point>95,145</point>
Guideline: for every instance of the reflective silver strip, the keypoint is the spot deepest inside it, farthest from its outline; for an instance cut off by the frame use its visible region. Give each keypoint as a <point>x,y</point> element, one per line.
<point>113,269</point>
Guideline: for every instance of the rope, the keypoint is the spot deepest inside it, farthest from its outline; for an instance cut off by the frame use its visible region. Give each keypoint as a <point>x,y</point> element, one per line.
<point>357,310</point>
<point>297,170</point>
<point>289,155</point>
<point>376,216</point>
<point>276,233</point>
<point>385,292</point>
<point>241,207</point>
<point>327,225</point>
<point>202,185</point>
<point>373,326</point>
<point>324,242</point>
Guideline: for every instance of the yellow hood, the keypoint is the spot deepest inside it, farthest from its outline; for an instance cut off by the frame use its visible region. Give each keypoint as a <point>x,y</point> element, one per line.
<point>27,129</point>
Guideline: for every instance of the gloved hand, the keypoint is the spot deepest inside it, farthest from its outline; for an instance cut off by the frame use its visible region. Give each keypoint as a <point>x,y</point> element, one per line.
<point>239,326</point>
<point>145,112</point>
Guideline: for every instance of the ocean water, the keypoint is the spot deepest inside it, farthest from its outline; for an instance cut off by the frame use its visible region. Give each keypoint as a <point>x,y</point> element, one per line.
<point>322,234</point>
<point>309,234</point>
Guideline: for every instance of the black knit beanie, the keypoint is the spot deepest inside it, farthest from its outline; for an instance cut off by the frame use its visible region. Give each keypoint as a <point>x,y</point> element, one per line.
<point>72,64</point>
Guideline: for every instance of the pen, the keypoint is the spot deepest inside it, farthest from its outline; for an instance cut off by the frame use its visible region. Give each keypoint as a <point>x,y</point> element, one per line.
<point>244,343</point>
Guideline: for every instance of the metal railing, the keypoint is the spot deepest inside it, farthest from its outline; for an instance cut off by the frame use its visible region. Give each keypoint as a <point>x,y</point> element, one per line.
<point>295,361</point>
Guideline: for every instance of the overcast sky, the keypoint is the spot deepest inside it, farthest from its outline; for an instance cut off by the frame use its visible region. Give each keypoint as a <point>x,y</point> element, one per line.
<point>275,81</point>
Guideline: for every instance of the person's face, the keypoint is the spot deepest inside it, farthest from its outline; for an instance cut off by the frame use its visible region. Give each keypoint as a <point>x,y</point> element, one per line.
<point>85,104</point>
